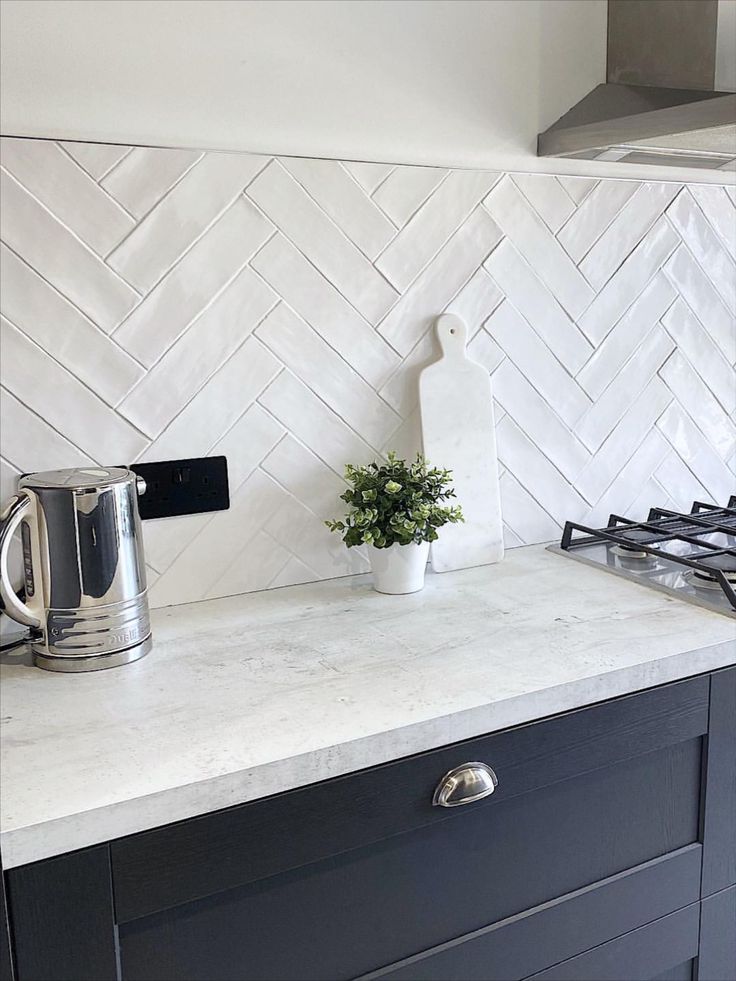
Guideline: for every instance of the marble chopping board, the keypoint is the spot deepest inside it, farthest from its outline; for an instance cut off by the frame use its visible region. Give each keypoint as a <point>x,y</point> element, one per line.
<point>458,433</point>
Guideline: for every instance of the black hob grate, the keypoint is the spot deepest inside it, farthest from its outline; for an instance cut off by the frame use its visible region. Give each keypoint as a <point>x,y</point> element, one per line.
<point>703,541</point>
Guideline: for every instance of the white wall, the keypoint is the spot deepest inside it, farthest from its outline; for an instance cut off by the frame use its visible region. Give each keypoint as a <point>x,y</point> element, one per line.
<point>447,82</point>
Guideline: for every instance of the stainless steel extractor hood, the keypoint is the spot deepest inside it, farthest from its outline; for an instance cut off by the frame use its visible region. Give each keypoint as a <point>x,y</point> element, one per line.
<point>669,98</point>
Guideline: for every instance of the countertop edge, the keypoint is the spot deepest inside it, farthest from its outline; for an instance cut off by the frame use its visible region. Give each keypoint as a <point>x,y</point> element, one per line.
<point>20,846</point>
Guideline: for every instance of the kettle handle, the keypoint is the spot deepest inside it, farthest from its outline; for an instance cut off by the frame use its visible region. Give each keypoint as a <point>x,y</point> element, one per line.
<point>10,518</point>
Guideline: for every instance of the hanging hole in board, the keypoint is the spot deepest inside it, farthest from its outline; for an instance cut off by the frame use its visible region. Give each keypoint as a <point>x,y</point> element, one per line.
<point>452,330</point>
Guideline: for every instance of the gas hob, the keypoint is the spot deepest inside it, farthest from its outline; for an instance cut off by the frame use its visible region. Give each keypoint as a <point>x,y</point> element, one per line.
<point>689,556</point>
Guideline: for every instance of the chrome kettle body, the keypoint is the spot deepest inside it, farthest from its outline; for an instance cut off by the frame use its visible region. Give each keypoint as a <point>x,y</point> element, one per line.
<point>83,567</point>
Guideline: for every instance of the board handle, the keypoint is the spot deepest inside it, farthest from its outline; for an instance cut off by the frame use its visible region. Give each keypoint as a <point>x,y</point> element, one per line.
<point>452,334</point>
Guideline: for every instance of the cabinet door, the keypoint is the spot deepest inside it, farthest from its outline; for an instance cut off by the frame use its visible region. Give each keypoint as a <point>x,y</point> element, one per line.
<point>719,816</point>
<point>62,917</point>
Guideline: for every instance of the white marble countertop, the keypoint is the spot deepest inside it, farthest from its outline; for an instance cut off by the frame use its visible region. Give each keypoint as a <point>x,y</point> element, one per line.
<point>251,695</point>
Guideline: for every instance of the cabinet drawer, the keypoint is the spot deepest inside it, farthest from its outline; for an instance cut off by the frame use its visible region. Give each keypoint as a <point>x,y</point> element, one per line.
<point>658,949</point>
<point>203,856</point>
<point>336,880</point>
<point>546,935</point>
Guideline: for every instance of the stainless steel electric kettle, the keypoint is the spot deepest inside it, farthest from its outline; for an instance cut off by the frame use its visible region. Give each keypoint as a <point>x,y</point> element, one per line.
<point>83,566</point>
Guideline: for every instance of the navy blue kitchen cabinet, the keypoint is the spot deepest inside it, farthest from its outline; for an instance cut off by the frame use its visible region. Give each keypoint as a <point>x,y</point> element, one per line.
<point>607,851</point>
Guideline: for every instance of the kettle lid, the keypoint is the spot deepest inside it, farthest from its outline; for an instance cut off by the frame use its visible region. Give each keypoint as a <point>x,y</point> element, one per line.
<point>78,478</point>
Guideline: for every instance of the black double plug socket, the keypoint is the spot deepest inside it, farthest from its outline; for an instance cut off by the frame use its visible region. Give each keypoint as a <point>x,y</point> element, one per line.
<point>175,487</point>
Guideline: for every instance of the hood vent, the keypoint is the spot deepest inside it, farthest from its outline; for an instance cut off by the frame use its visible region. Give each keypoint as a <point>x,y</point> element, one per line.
<point>661,104</point>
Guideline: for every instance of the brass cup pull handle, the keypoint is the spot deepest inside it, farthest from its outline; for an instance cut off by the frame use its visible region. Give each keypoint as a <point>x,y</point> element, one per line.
<point>464,785</point>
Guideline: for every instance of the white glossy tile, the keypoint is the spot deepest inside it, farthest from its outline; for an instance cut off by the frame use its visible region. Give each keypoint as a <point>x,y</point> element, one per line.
<point>695,397</point>
<point>624,439</point>
<point>621,342</point>
<point>58,256</point>
<point>605,413</point>
<point>306,477</point>
<point>719,209</point>
<point>9,476</point>
<point>696,452</point>
<point>510,538</point>
<point>406,189</point>
<point>413,315</point>
<point>206,269</point>
<point>578,187</point>
<point>213,337</point>
<point>301,349</point>
<point>67,191</point>
<point>406,442</point>
<point>538,306</point>
<point>523,226</point>
<point>303,287</point>
<point>292,574</point>
<point>691,282</point>
<point>425,234</point>
<point>218,405</point>
<point>305,535</point>
<point>483,349</point>
<point>626,230</point>
<point>251,438</point>
<point>368,175</point>
<point>681,483</point>
<point>594,215</point>
<point>96,158</point>
<point>254,568</point>
<point>56,395</point>
<point>317,384</point>
<point>476,301</point>
<point>537,363</point>
<point>694,341</point>
<point>538,420</point>
<point>313,233</point>
<point>532,469</point>
<point>626,487</point>
<point>248,442</point>
<point>57,326</point>
<point>177,222</point>
<point>145,175</point>
<point>30,444</point>
<point>314,424</point>
<point>210,554</point>
<point>548,198</point>
<point>520,510</point>
<point>651,490</point>
<point>705,246</point>
<point>401,391</point>
<point>628,282</point>
<point>340,197</point>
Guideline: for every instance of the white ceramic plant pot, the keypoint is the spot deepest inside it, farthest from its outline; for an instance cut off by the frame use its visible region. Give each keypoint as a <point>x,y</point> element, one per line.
<point>399,568</point>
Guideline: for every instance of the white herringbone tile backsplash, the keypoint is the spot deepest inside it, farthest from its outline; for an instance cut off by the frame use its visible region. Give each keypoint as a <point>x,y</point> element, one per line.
<point>160,304</point>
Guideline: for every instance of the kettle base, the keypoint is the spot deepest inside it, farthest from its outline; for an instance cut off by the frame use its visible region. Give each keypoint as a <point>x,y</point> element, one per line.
<point>92,662</point>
